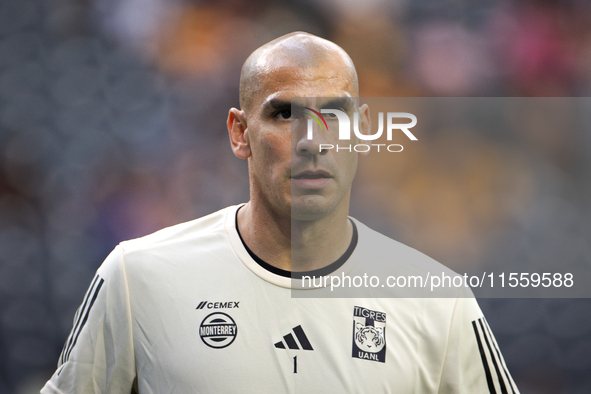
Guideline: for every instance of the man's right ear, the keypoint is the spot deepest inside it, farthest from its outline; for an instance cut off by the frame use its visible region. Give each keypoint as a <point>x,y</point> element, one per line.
<point>238,133</point>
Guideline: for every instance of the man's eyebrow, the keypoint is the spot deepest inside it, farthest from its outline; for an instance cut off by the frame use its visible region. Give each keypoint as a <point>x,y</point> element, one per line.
<point>276,104</point>
<point>345,103</point>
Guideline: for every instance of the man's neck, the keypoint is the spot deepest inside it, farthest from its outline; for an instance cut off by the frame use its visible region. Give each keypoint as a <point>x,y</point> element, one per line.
<point>294,245</point>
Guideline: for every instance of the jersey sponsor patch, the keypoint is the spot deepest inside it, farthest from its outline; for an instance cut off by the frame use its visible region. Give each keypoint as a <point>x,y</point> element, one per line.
<point>290,341</point>
<point>218,330</point>
<point>219,305</point>
<point>369,334</point>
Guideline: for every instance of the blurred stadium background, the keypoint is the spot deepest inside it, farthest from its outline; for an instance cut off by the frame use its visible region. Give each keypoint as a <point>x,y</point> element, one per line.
<point>112,125</point>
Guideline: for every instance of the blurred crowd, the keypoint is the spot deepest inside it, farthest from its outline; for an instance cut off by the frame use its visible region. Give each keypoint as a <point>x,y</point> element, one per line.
<point>112,126</point>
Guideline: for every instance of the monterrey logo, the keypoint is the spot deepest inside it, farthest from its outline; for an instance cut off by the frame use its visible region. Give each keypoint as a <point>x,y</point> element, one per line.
<point>345,130</point>
<point>218,330</point>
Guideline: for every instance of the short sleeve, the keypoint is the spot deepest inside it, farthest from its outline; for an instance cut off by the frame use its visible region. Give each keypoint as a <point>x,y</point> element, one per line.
<point>473,360</point>
<point>98,356</point>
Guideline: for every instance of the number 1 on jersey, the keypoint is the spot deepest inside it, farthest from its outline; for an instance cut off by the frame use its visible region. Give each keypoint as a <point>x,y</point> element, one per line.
<point>295,364</point>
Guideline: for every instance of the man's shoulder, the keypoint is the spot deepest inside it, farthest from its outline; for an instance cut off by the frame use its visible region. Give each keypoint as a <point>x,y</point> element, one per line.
<point>188,232</point>
<point>386,250</point>
<point>415,274</point>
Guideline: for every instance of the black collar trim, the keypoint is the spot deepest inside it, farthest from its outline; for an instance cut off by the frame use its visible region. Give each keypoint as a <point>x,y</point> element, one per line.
<point>298,275</point>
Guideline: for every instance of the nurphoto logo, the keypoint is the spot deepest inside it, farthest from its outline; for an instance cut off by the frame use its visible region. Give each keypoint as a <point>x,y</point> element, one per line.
<point>344,124</point>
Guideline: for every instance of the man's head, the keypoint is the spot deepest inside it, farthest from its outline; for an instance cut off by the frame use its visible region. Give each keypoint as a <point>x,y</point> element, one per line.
<point>289,175</point>
<point>299,49</point>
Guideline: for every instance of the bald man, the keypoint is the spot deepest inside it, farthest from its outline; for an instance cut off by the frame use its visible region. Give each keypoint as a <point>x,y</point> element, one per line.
<point>207,307</point>
<point>299,198</point>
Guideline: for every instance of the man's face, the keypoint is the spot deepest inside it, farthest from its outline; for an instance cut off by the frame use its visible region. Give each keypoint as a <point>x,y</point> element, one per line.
<point>289,174</point>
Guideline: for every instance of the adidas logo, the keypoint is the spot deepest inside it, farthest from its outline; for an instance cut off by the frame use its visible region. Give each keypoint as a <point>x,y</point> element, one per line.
<point>291,343</point>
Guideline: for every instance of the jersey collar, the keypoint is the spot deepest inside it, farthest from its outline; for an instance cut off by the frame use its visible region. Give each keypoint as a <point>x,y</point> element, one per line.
<point>278,278</point>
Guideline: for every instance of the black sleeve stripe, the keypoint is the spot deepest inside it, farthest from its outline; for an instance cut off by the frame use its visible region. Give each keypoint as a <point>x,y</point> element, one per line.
<point>79,312</point>
<point>489,381</point>
<point>500,357</point>
<point>77,320</point>
<point>493,358</point>
<point>100,284</point>
<point>81,317</point>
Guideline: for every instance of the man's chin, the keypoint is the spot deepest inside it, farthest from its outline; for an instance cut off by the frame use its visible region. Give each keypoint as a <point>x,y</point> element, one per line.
<point>311,208</point>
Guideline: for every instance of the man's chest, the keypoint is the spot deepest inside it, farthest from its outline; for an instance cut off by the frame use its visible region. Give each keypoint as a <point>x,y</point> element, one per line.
<point>239,337</point>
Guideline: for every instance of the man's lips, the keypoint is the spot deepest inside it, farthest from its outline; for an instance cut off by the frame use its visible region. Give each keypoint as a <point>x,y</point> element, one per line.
<point>311,179</point>
<point>312,175</point>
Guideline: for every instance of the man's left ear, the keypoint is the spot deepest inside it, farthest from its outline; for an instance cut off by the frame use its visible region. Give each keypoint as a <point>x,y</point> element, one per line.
<point>364,123</point>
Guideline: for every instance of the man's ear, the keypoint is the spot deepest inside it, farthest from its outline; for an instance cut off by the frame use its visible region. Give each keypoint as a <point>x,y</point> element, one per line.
<point>238,133</point>
<point>364,123</point>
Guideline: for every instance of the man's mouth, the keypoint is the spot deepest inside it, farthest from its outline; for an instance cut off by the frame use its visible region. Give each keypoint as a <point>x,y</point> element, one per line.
<point>317,179</point>
<point>311,175</point>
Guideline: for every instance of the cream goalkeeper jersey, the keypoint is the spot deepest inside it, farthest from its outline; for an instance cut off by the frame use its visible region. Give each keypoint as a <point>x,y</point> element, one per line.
<point>188,310</point>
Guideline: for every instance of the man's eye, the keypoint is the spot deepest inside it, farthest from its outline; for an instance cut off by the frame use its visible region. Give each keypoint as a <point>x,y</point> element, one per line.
<point>285,114</point>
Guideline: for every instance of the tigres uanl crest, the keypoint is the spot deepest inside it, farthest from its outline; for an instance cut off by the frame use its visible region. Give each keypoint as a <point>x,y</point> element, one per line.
<point>369,334</point>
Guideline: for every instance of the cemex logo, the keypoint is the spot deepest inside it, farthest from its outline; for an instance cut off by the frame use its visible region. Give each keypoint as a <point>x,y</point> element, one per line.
<point>218,304</point>
<point>345,130</point>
